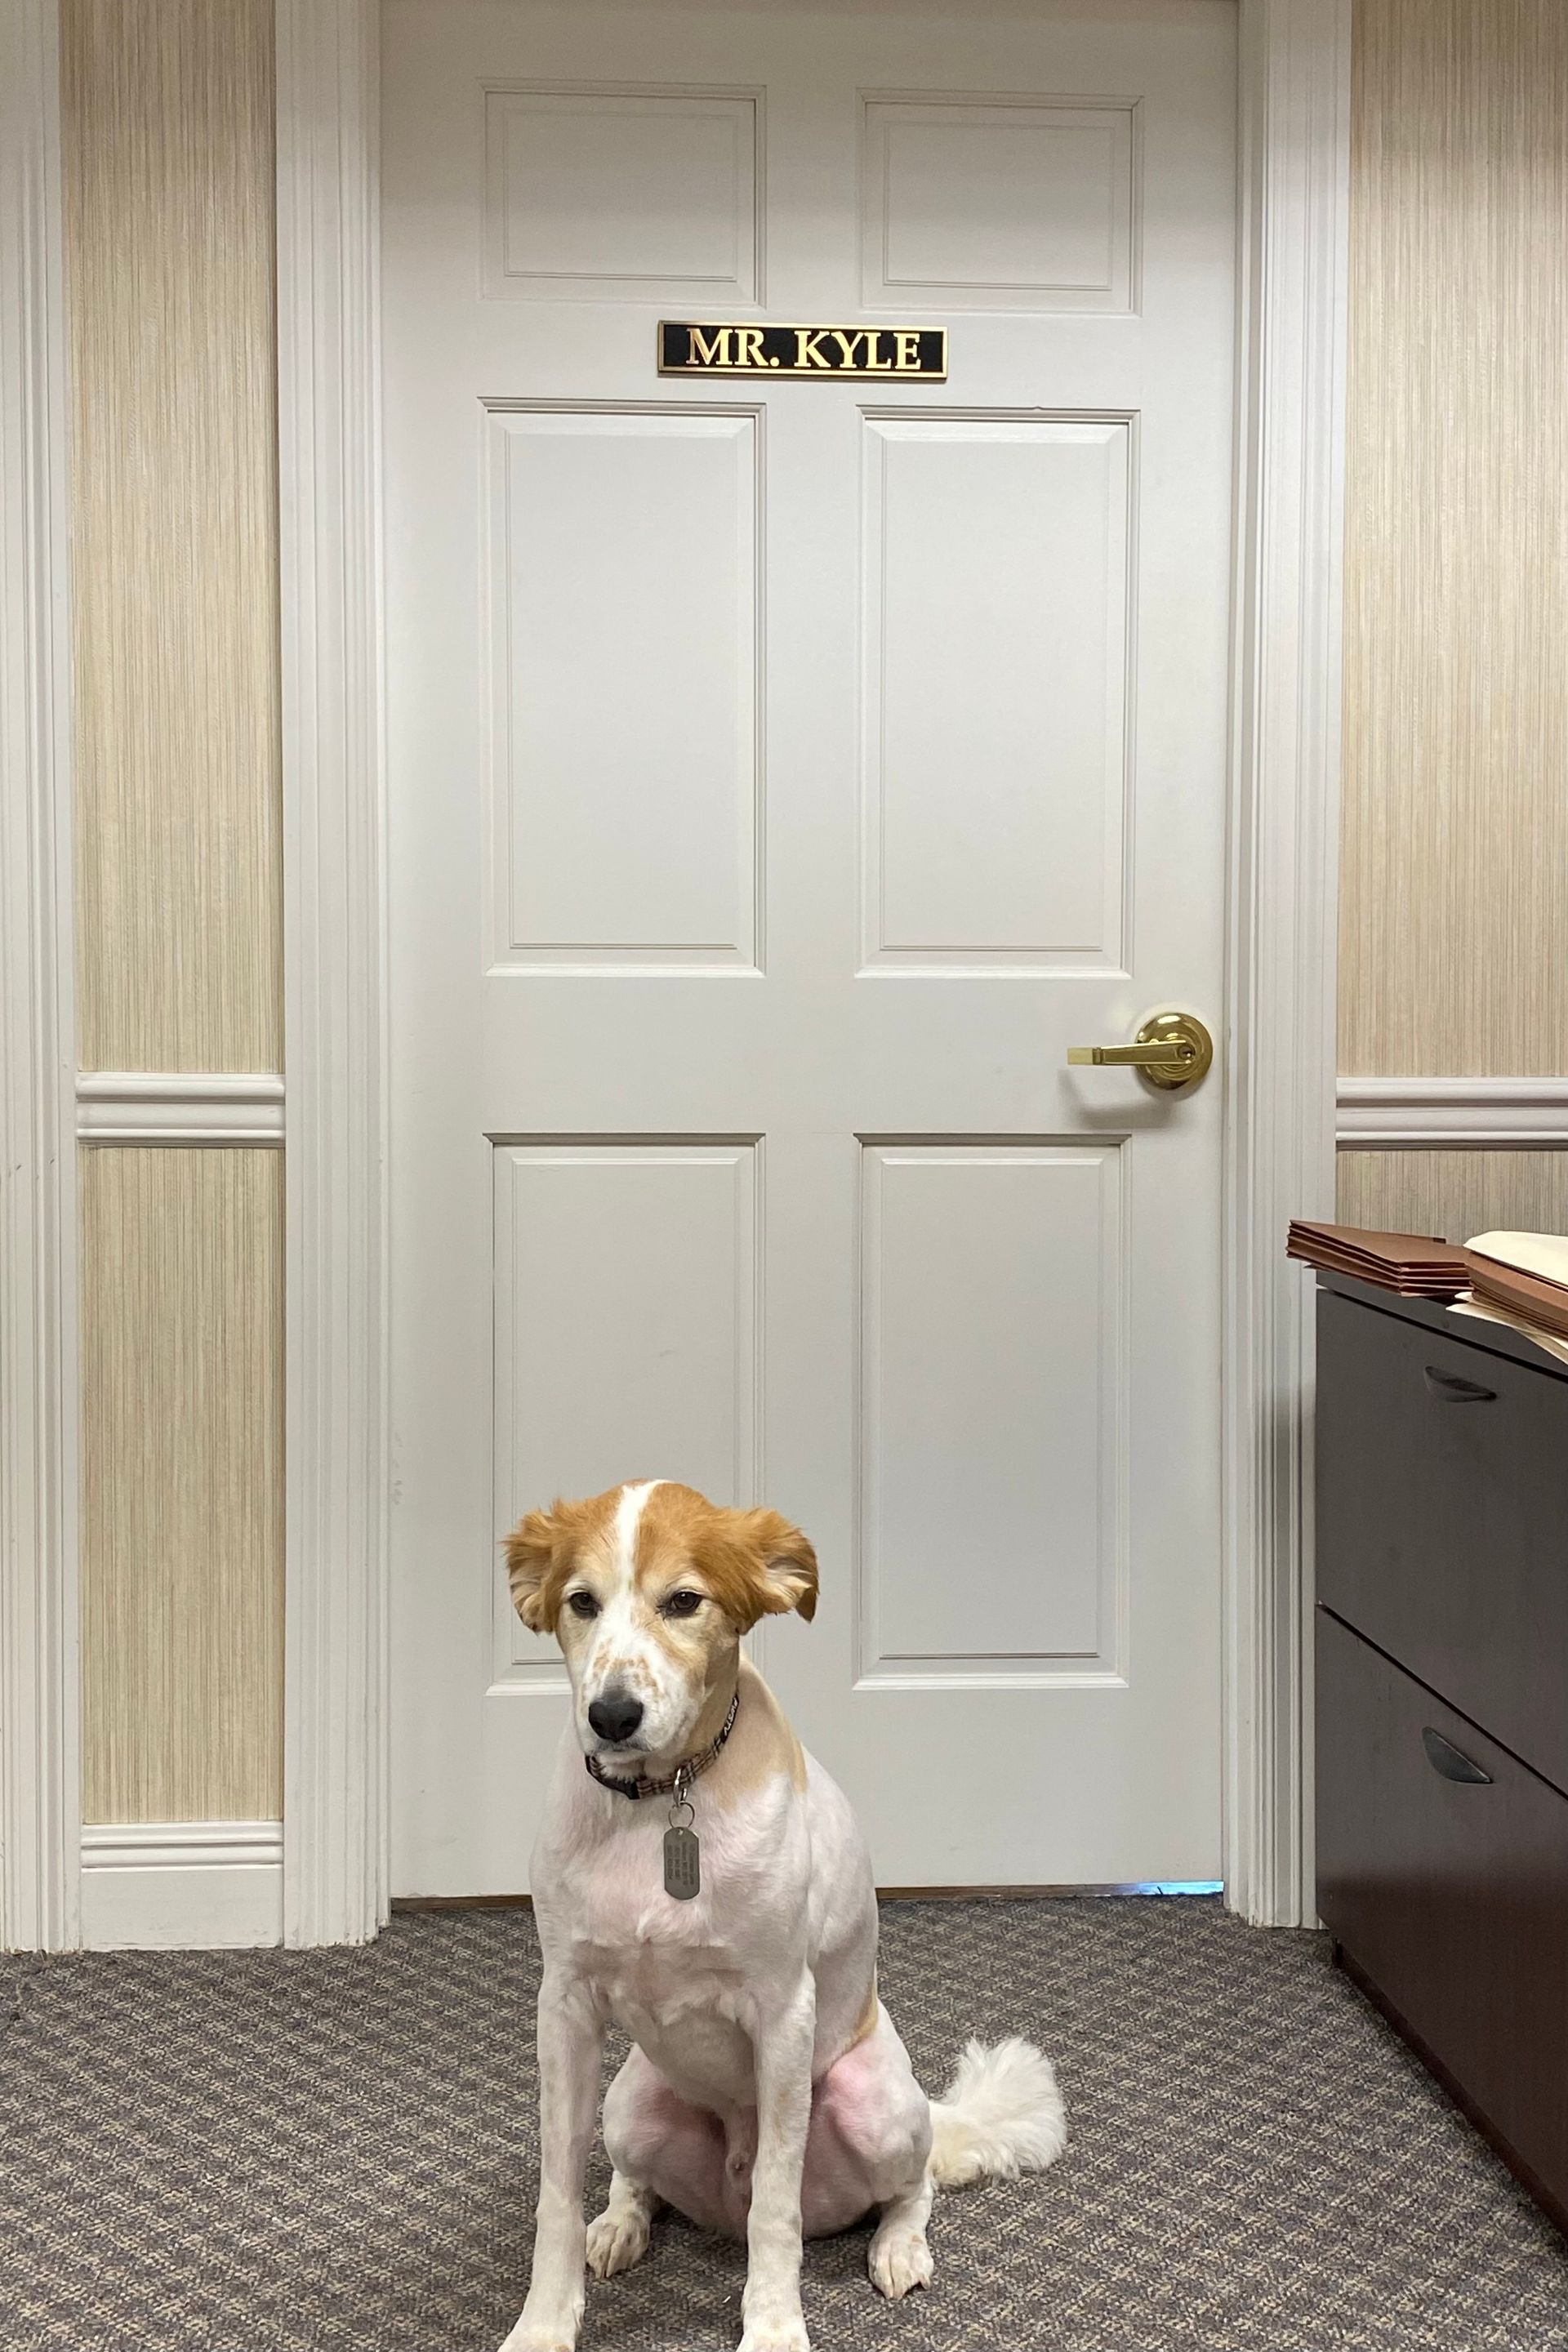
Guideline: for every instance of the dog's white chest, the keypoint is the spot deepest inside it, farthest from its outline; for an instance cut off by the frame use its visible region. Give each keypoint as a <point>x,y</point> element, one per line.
<point>651,1974</point>
<point>666,1973</point>
<point>680,2003</point>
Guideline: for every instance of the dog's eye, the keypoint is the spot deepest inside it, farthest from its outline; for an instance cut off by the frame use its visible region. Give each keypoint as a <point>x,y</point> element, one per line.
<point>582,1604</point>
<point>683,1604</point>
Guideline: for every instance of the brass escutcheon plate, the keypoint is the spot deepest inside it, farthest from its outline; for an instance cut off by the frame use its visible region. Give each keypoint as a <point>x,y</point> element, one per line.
<point>1178,1029</point>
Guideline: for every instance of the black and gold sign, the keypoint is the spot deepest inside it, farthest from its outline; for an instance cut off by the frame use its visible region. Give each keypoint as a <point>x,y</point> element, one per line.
<point>906,355</point>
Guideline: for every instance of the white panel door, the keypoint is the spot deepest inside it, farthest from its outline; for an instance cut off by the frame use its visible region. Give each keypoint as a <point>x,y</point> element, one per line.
<point>783,775</point>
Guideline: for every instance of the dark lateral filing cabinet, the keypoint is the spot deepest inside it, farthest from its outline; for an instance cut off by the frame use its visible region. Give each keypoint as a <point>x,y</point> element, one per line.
<point>1442,1701</point>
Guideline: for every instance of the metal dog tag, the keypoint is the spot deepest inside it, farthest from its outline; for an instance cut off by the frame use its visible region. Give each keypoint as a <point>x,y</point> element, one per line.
<point>683,1863</point>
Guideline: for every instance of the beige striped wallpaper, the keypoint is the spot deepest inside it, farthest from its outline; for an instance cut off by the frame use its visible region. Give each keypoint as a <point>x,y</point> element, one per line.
<point>1455,1194</point>
<point>169,193</point>
<point>1455,878</point>
<point>182,1628</point>
<point>167,121</point>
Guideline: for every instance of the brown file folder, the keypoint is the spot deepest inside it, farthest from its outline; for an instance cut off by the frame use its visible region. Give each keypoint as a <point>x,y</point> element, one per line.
<point>1527,1295</point>
<point>1417,1266</point>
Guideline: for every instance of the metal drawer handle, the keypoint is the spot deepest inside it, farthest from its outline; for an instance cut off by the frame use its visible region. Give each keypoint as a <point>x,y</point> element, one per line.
<point>1451,1761</point>
<point>1454,1390</point>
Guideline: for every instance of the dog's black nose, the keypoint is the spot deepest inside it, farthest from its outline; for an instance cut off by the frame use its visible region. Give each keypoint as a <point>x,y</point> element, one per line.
<point>616,1717</point>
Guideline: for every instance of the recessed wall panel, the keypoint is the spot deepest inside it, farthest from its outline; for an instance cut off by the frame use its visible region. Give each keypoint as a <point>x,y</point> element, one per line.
<point>995,690</point>
<point>602,193</point>
<point>625,760</point>
<point>992,1411</point>
<point>625,1332</point>
<point>169,166</point>
<point>983,204</point>
<point>1454,868</point>
<point>182,1492</point>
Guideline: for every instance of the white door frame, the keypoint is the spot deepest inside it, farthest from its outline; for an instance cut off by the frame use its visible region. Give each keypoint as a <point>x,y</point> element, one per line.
<point>1278,1066</point>
<point>40,1809</point>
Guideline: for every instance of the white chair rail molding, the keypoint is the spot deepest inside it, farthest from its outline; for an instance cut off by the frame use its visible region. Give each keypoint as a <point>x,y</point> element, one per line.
<point>1452,1114</point>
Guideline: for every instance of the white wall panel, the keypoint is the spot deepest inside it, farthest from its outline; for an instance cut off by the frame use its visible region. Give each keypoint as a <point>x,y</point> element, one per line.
<point>623,556</point>
<point>626,1331</point>
<point>992,1411</point>
<point>995,697</point>
<point>604,193</point>
<point>996,204</point>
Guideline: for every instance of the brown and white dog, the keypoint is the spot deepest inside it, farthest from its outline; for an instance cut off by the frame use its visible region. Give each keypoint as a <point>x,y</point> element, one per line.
<point>766,2095</point>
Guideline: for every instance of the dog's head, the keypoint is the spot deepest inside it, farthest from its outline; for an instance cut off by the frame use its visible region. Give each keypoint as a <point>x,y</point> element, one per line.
<point>649,1589</point>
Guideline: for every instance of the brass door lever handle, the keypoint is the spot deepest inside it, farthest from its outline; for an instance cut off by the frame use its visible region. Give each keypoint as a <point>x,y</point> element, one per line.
<point>1174,1050</point>
<point>1137,1057</point>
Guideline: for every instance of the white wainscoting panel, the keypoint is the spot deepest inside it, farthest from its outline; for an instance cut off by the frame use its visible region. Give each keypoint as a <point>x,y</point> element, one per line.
<point>999,204</point>
<point>996,644</point>
<point>627,1278</point>
<point>614,193</point>
<point>624,563</point>
<point>993,1411</point>
<point>182,1885</point>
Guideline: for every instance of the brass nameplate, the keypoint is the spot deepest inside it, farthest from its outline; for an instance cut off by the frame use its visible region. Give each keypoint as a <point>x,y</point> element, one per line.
<point>909,355</point>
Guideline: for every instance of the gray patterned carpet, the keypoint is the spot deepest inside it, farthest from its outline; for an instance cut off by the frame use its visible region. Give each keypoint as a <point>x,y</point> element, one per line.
<point>295,2152</point>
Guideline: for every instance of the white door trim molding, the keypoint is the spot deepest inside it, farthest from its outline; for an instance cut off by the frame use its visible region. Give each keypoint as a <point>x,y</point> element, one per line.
<point>1281,1064</point>
<point>39,1809</point>
<point>1284,851</point>
<point>1453,1114</point>
<point>335,1674</point>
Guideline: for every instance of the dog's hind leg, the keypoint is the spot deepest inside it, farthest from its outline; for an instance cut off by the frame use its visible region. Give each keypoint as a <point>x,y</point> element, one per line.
<point>619,2235</point>
<point>664,2151</point>
<point>870,2147</point>
<point>900,2257</point>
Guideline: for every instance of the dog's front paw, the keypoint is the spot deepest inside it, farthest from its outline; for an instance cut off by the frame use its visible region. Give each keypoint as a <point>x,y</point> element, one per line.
<point>787,2333</point>
<point>541,2335</point>
<point>543,2330</point>
<point>617,2239</point>
<point>899,2259</point>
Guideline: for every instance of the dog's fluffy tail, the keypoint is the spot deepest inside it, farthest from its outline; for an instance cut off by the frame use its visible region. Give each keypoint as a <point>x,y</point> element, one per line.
<point>1002,2115</point>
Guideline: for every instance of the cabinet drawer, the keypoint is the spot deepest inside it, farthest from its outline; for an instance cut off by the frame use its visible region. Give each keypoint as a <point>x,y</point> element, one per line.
<point>1451,1895</point>
<point>1442,1518</point>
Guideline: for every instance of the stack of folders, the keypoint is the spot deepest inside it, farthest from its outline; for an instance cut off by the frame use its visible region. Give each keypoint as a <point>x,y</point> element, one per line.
<point>1414,1265</point>
<point>1521,1279</point>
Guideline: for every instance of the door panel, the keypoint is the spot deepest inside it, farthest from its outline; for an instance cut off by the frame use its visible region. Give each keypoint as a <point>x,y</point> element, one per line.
<point>783,774</point>
<point>591,195</point>
<point>969,205</point>
<point>624,585</point>
<point>996,642</point>
<point>990,1411</point>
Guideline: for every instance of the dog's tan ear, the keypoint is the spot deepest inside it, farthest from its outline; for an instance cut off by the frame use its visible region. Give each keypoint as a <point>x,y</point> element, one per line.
<point>784,1565</point>
<point>533,1561</point>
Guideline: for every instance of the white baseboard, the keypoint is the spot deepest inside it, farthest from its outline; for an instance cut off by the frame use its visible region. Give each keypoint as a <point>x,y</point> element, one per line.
<point>182,1885</point>
<point>1453,1115</point>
